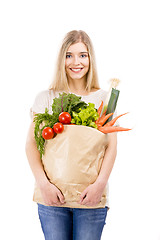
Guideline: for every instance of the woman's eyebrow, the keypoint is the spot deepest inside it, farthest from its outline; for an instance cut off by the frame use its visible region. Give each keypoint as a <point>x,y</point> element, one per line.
<point>71,52</point>
<point>84,52</point>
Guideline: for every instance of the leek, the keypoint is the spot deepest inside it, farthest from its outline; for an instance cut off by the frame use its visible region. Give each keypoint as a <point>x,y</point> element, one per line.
<point>111,100</point>
<point>114,83</point>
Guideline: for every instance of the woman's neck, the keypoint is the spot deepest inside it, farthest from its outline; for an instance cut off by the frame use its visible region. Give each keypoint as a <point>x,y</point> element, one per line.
<point>78,87</point>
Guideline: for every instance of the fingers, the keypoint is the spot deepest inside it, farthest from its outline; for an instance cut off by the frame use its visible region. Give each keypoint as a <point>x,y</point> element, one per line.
<point>83,195</point>
<point>84,201</point>
<point>88,201</point>
<point>61,198</point>
<point>54,198</point>
<point>54,203</point>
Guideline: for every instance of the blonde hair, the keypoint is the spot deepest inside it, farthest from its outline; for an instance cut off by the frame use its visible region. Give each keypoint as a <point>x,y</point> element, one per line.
<point>60,81</point>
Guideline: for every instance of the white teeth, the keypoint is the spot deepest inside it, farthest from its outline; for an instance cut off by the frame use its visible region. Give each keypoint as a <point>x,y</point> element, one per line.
<point>75,69</point>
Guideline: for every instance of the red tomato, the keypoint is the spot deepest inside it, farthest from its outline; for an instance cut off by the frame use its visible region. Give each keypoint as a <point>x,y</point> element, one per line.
<point>65,117</point>
<point>47,133</point>
<point>58,127</point>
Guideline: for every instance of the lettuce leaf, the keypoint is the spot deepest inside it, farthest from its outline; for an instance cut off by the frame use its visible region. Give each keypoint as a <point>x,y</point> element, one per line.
<point>86,117</point>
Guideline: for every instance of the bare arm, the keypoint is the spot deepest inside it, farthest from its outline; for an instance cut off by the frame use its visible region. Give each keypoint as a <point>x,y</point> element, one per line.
<point>108,161</point>
<point>34,160</point>
<point>50,193</point>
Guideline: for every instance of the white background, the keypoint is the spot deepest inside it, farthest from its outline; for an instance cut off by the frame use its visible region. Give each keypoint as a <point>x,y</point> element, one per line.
<point>125,35</point>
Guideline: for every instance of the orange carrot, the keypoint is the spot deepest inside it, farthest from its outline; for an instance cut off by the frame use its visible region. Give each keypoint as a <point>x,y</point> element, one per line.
<point>112,122</point>
<point>103,119</point>
<point>100,108</point>
<point>99,111</point>
<point>104,113</point>
<point>110,129</point>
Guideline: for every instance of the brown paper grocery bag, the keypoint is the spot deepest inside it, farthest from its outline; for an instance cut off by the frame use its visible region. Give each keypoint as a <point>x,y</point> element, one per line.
<point>72,161</point>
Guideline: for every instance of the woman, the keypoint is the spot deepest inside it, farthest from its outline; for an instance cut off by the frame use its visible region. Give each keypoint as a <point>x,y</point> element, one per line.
<point>76,73</point>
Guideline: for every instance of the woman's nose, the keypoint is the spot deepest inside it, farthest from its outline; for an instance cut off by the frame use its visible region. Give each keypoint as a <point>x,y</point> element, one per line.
<point>76,60</point>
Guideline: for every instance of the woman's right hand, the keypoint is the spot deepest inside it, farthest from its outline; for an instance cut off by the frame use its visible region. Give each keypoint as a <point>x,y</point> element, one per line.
<point>51,195</point>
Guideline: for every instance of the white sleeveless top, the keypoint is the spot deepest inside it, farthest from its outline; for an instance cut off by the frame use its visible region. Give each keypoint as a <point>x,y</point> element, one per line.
<point>45,99</point>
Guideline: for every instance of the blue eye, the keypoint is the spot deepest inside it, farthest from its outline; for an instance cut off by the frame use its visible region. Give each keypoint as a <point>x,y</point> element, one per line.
<point>84,55</point>
<point>68,56</point>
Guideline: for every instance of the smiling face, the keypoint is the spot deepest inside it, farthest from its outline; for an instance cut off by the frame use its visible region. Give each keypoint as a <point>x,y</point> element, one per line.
<point>77,61</point>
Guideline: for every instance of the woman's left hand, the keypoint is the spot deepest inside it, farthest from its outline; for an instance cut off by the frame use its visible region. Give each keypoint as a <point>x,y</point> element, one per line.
<point>91,196</point>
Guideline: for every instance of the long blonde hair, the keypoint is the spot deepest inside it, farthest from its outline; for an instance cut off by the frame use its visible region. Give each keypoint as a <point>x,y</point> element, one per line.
<point>60,81</point>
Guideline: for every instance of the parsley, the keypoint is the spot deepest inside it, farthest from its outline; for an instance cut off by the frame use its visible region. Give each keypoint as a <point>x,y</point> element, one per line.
<point>43,120</point>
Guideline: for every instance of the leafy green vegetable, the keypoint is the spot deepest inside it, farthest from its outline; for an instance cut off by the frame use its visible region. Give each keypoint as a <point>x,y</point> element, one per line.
<point>81,114</point>
<point>67,103</point>
<point>86,117</point>
<point>64,103</point>
<point>43,120</point>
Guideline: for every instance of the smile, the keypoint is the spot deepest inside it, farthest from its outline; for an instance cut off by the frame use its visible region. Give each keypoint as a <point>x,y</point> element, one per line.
<point>76,70</point>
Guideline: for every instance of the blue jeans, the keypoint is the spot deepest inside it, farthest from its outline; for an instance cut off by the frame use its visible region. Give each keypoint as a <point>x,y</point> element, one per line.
<point>62,223</point>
